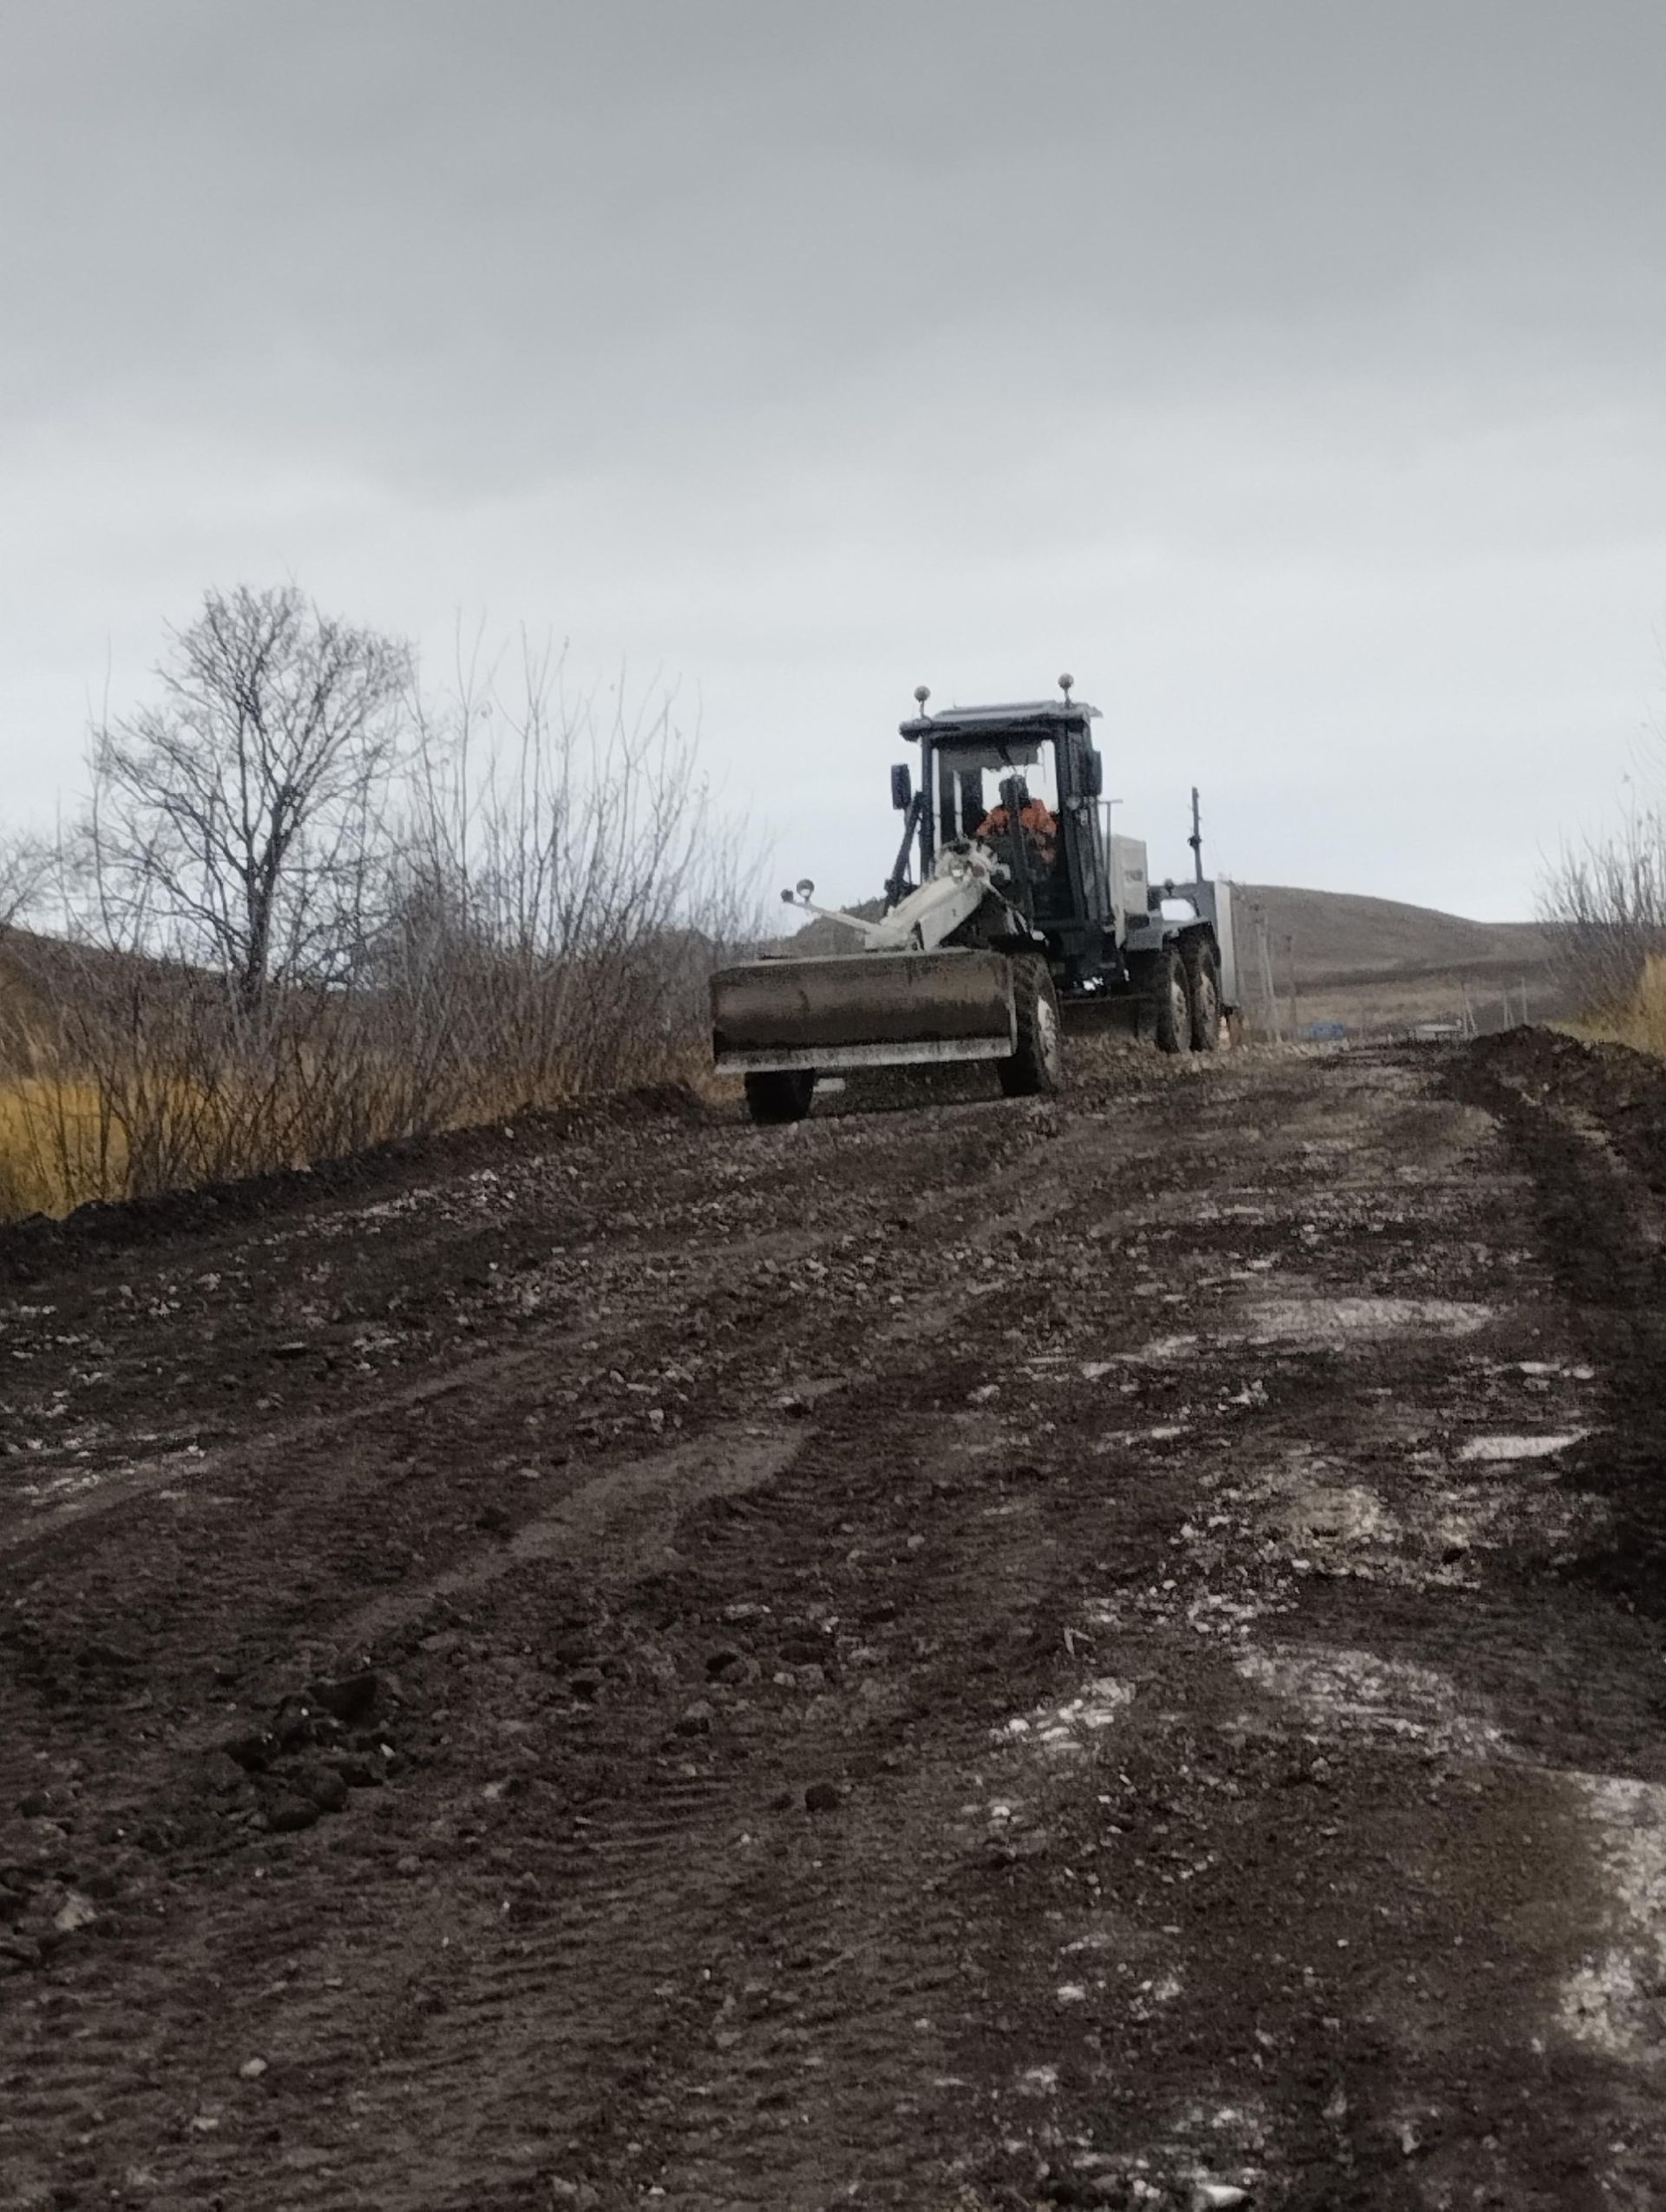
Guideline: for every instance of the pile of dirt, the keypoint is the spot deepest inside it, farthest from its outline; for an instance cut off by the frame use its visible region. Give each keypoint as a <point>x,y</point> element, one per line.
<point>1587,1122</point>
<point>1623,1090</point>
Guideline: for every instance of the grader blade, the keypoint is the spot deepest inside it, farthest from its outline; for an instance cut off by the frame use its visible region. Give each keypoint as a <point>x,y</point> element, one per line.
<point>869,1009</point>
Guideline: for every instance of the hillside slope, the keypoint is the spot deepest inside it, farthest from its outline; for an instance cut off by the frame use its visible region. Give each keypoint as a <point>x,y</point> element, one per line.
<point>1376,964</point>
<point>1338,936</point>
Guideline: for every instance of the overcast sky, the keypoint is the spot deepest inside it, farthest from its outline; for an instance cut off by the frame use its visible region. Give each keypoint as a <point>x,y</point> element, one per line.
<point>1294,374</point>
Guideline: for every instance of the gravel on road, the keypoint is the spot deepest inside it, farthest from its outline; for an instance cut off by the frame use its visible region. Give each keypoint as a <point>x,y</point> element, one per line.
<point>990,1655</point>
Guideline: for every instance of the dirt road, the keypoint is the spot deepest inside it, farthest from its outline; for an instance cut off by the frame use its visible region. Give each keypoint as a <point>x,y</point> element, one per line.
<point>1005,1655</point>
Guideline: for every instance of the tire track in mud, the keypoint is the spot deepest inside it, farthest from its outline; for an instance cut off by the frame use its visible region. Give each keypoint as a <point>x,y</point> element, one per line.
<point>631,1901</point>
<point>1389,2089</point>
<point>914,1328</point>
<point>312,1479</point>
<point>865,2063</point>
<point>1600,1219</point>
<point>1099,1590</point>
<point>695,1269</point>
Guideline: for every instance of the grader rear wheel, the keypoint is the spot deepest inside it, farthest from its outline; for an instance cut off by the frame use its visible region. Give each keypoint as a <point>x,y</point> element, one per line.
<point>1202,967</point>
<point>1171,1001</point>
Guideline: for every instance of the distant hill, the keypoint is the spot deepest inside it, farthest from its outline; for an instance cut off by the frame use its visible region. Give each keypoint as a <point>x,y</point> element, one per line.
<point>1372,964</point>
<point>1340,938</point>
<point>1378,964</point>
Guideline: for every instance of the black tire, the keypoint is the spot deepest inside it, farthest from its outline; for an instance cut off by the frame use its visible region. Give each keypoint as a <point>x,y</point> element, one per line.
<point>782,1095</point>
<point>1171,1001</point>
<point>1036,1069</point>
<point>1202,967</point>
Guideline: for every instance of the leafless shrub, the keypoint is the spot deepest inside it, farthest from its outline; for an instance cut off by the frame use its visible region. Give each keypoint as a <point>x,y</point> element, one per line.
<point>1604,903</point>
<point>567,884</point>
<point>308,910</point>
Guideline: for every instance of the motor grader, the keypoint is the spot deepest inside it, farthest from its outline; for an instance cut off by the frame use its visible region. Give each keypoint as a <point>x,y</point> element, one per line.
<point>1011,908</point>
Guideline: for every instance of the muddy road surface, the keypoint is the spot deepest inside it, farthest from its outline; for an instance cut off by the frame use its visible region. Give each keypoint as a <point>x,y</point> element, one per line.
<point>998,1656</point>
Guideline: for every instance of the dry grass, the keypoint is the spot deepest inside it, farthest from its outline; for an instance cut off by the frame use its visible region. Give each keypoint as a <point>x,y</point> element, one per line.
<point>1643,1023</point>
<point>120,1077</point>
<point>62,1143</point>
<point>524,916</point>
<point>56,1149</point>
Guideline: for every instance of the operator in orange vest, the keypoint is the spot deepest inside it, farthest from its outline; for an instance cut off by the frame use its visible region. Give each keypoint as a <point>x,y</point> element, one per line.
<point>1037,820</point>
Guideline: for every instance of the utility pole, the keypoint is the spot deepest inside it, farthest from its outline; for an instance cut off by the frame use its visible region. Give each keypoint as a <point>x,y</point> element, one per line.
<point>1272,986</point>
<point>1195,840</point>
<point>1290,972</point>
<point>1264,963</point>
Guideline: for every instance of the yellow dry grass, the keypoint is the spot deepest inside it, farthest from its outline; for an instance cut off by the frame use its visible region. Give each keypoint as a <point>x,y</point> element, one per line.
<point>1643,1024</point>
<point>57,1149</point>
<point>53,1153</point>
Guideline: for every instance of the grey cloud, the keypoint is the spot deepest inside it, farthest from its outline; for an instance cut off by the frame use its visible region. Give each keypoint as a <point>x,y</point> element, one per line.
<point>1294,371</point>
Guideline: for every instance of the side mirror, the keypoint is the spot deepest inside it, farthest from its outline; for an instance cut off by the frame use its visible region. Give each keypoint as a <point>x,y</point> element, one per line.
<point>901,785</point>
<point>1093,771</point>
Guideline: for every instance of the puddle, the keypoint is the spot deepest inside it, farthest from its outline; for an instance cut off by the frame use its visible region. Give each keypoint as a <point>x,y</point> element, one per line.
<point>1159,1350</point>
<point>1213,1614</point>
<point>1357,1693</point>
<point>1417,1529</point>
<point>1612,1999</point>
<point>1340,1321</point>
<point>1493,1450</point>
<point>1208,2157</point>
<point>66,1486</point>
<point>1062,1728</point>
<point>1120,1438</point>
<point>1477,1518</point>
<point>1321,1323</point>
<point>1341,1513</point>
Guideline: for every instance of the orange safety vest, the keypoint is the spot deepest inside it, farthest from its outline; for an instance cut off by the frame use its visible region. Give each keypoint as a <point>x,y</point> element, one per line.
<point>1040,820</point>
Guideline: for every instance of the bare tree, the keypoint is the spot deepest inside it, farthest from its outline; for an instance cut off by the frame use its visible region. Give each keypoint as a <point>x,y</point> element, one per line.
<point>234,824</point>
<point>25,863</point>
<point>308,911</point>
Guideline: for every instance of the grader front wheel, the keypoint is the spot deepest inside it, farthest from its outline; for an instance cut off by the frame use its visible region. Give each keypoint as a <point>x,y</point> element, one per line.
<point>1037,1068</point>
<point>780,1095</point>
